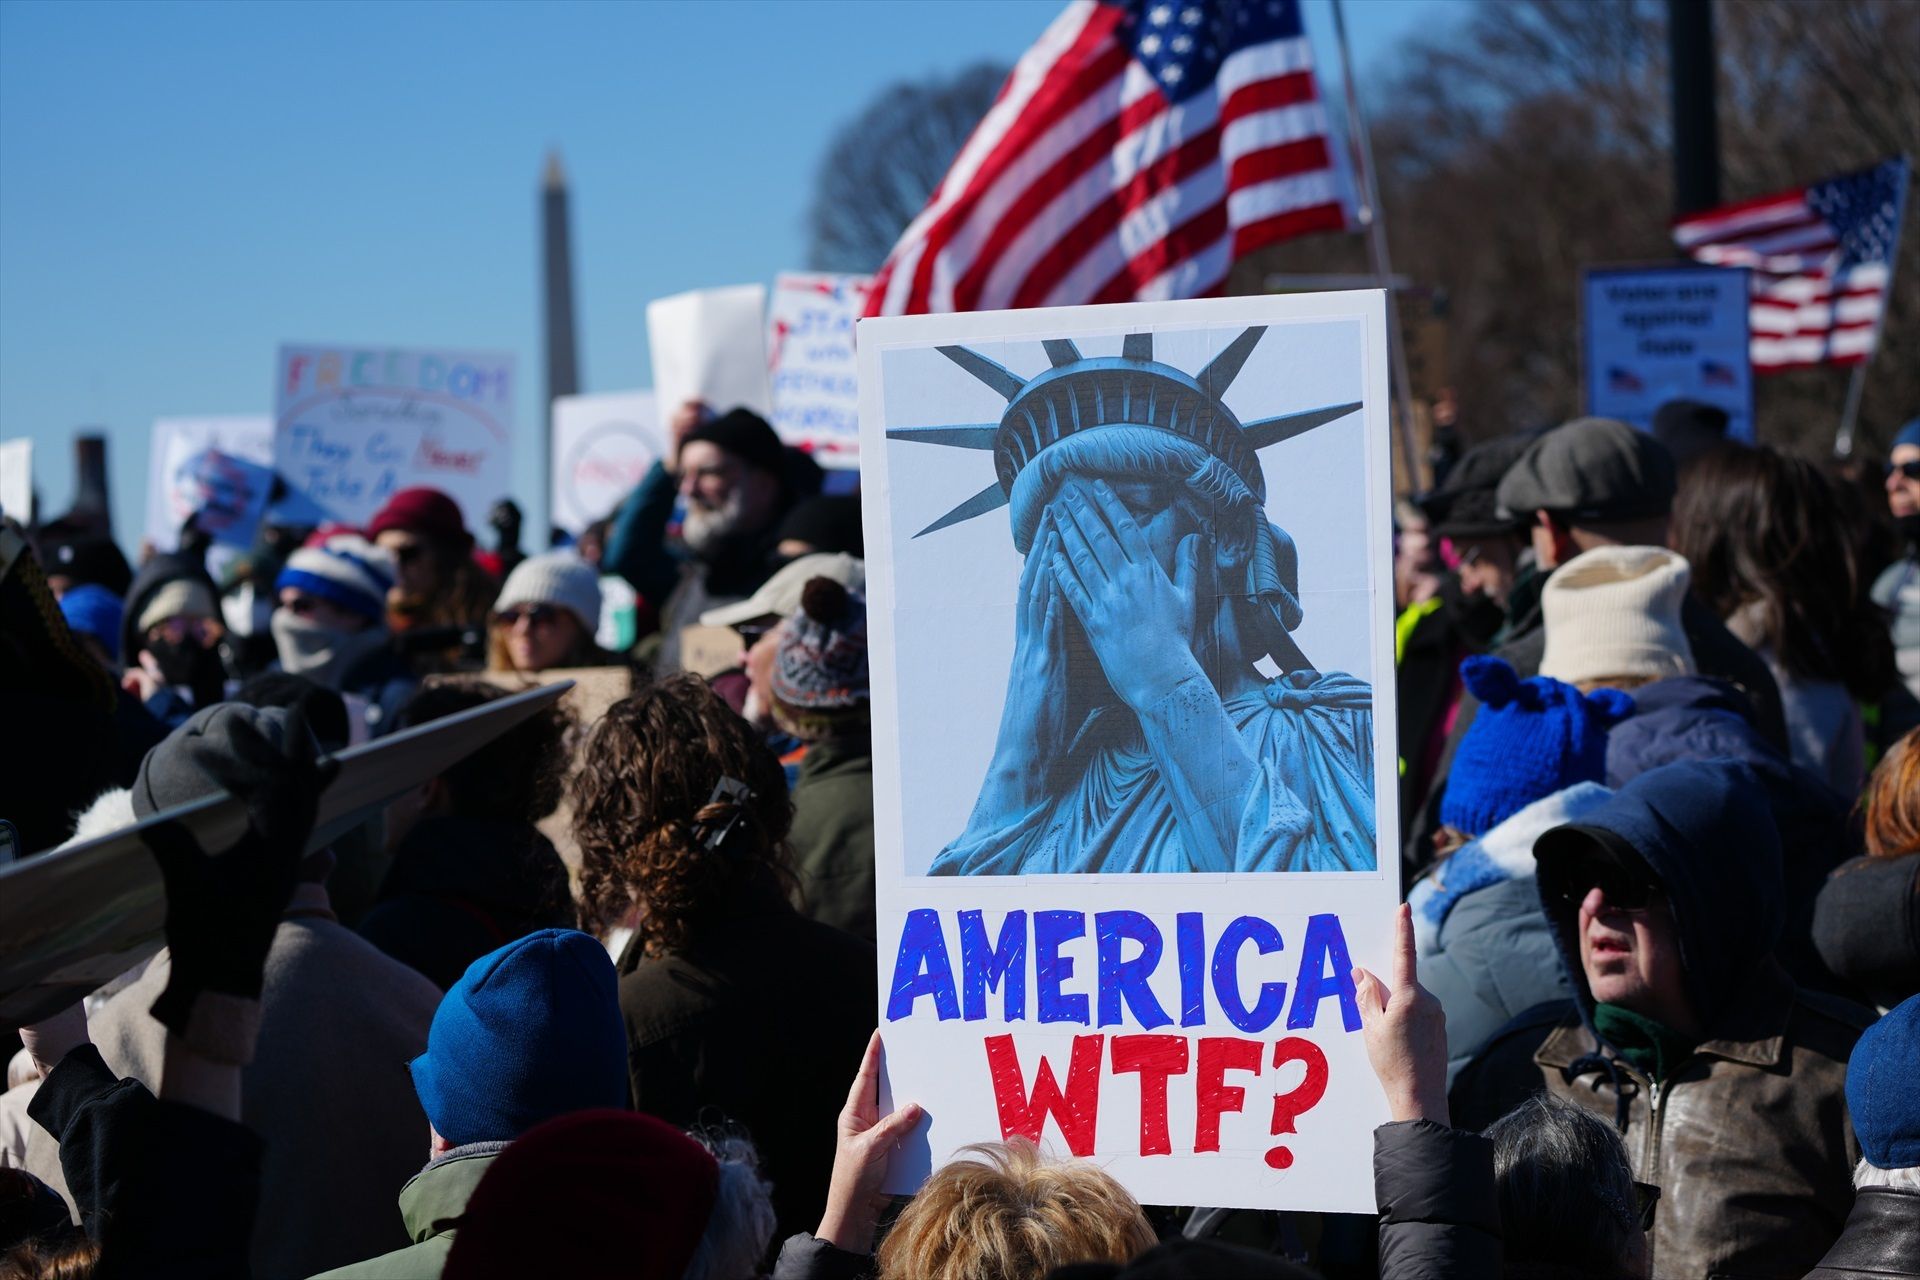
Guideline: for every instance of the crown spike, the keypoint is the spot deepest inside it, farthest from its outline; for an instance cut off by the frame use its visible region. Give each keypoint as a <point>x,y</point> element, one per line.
<point>1285,427</point>
<point>964,435</point>
<point>1225,367</point>
<point>991,498</point>
<point>1061,351</point>
<point>1137,346</point>
<point>1000,378</point>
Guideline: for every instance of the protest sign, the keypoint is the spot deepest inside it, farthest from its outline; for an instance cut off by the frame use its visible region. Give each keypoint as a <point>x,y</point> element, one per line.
<point>354,425</point>
<point>1119,903</point>
<point>220,469</point>
<point>711,345</point>
<point>816,394</point>
<point>602,447</point>
<point>71,919</point>
<point>1656,334</point>
<point>16,479</point>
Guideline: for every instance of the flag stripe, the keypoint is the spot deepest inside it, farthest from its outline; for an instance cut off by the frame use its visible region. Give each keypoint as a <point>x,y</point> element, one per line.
<point>1134,151</point>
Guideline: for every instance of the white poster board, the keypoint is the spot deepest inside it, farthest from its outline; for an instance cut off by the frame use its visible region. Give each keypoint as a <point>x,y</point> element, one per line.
<point>220,468</point>
<point>1656,334</point>
<point>1125,868</point>
<point>816,390</point>
<point>16,479</point>
<point>711,345</point>
<point>355,425</point>
<point>602,447</point>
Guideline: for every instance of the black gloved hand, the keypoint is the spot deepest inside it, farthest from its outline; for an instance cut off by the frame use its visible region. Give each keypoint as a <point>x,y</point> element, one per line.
<point>224,907</point>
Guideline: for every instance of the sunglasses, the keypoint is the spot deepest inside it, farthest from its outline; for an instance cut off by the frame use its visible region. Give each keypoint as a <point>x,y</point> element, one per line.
<point>538,615</point>
<point>1623,890</point>
<point>406,552</point>
<point>1910,468</point>
<point>751,633</point>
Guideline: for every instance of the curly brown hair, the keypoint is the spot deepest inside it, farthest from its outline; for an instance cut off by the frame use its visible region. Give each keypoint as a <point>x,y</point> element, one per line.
<point>643,813</point>
<point>1892,801</point>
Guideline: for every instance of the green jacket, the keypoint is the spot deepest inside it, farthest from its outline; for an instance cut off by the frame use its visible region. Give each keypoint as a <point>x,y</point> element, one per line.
<point>832,834</point>
<point>429,1202</point>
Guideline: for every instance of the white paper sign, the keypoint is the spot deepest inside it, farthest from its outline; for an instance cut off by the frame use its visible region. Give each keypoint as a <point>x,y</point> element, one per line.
<point>602,447</point>
<point>711,345</point>
<point>16,479</point>
<point>220,469</point>
<point>1668,333</point>
<point>816,388</point>
<point>354,425</point>
<point>1129,592</point>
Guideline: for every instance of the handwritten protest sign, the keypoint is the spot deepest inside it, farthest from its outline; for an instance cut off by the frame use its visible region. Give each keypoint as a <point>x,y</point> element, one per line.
<point>816,393</point>
<point>1119,903</point>
<point>1668,333</point>
<point>602,447</point>
<point>219,470</point>
<point>354,425</point>
<point>16,479</point>
<point>711,345</point>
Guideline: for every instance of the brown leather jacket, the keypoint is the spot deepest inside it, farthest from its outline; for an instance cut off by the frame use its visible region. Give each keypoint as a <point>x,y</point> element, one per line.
<point>1748,1139</point>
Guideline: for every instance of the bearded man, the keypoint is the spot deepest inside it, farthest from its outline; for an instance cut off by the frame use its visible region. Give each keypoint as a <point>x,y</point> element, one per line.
<point>734,480</point>
<point>1139,733</point>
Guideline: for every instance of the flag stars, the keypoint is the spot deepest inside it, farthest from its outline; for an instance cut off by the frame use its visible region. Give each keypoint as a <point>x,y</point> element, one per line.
<point>1171,73</point>
<point>1149,44</point>
<point>1160,15</point>
<point>1181,44</point>
<point>1190,16</point>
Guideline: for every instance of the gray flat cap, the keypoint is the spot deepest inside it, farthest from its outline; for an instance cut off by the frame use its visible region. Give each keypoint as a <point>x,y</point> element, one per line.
<point>1592,469</point>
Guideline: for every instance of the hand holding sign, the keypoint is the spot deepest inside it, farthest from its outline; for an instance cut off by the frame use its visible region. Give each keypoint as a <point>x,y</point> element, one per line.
<point>1405,1030</point>
<point>866,1141</point>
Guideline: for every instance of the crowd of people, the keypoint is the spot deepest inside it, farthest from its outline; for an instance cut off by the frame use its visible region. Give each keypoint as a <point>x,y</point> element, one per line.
<point>1653,1008</point>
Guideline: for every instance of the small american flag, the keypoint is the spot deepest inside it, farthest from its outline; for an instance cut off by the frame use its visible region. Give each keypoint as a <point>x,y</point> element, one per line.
<point>1822,258</point>
<point>1135,151</point>
<point>1624,380</point>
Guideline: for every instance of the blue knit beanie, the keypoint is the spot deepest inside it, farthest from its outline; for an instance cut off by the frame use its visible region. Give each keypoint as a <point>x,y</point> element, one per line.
<point>93,610</point>
<point>1880,1092</point>
<point>1909,434</point>
<point>531,1031</point>
<point>1530,739</point>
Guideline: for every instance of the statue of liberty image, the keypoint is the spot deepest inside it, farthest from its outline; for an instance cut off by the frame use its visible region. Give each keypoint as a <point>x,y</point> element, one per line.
<point>1138,734</point>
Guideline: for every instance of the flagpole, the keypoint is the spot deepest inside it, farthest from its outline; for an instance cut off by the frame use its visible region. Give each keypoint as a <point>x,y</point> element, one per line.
<point>1850,416</point>
<point>1369,214</point>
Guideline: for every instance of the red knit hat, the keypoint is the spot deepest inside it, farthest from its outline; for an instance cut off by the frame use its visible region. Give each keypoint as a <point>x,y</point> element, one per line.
<point>422,510</point>
<point>594,1193</point>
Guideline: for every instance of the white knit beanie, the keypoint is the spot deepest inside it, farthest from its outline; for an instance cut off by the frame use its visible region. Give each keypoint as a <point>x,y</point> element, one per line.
<point>345,570</point>
<point>1615,611</point>
<point>557,578</point>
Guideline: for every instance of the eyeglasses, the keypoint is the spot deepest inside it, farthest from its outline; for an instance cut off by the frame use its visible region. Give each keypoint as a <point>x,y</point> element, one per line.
<point>537,615</point>
<point>180,629</point>
<point>751,633</point>
<point>1622,890</point>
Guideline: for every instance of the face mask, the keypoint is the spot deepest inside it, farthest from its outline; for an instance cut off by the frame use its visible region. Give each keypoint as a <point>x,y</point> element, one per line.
<point>190,666</point>
<point>321,654</point>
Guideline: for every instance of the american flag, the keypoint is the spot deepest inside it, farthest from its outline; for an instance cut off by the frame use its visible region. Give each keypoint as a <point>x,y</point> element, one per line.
<point>1135,152</point>
<point>1822,258</point>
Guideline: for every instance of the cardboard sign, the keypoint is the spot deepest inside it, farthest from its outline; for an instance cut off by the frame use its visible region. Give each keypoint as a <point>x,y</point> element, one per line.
<point>355,425</point>
<point>16,479</point>
<point>220,469</point>
<point>711,345</point>
<point>603,447</point>
<point>816,390</point>
<point>75,917</point>
<point>1129,596</point>
<point>1668,333</point>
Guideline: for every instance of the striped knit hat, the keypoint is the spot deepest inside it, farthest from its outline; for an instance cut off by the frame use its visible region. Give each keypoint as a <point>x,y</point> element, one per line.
<point>821,664</point>
<point>345,570</point>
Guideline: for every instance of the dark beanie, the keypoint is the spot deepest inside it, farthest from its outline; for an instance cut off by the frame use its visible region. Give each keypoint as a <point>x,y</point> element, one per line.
<point>746,435</point>
<point>827,523</point>
<point>171,774</point>
<point>594,1193</point>
<point>1689,428</point>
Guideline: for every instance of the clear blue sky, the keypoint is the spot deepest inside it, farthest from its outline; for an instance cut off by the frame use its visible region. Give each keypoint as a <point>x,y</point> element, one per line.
<point>185,186</point>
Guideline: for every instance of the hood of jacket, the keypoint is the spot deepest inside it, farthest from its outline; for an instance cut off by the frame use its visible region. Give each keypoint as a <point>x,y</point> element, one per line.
<point>1706,831</point>
<point>438,1194</point>
<point>155,574</point>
